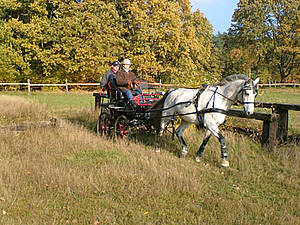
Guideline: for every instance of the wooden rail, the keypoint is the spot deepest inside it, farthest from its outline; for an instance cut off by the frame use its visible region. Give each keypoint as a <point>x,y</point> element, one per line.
<point>282,121</point>
<point>159,85</point>
<point>66,85</point>
<point>275,124</point>
<point>279,85</point>
<point>269,129</point>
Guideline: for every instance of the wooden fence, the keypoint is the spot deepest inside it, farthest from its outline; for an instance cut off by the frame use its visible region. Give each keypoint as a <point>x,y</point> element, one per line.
<point>275,124</point>
<point>66,85</point>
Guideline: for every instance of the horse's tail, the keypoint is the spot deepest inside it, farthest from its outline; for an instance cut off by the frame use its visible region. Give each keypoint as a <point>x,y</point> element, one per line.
<point>157,108</point>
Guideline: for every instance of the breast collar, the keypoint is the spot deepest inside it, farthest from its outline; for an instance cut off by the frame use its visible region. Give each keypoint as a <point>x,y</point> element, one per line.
<point>195,102</point>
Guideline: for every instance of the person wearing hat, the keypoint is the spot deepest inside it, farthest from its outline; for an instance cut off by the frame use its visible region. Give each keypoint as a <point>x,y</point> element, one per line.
<point>110,75</point>
<point>126,81</point>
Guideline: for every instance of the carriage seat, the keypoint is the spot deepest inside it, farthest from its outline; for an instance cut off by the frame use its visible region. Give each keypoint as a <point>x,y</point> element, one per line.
<point>115,94</point>
<point>117,97</point>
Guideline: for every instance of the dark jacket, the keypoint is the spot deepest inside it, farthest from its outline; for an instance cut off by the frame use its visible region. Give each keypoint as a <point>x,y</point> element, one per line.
<point>122,78</point>
<point>108,76</point>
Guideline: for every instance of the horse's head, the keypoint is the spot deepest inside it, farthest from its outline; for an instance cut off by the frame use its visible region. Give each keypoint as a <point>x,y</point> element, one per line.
<point>248,94</point>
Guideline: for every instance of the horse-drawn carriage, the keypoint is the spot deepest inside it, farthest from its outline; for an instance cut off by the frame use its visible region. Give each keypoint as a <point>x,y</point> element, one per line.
<point>206,107</point>
<point>118,119</point>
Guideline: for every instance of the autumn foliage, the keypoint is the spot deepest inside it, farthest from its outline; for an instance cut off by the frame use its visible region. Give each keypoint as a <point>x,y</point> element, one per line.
<point>50,41</point>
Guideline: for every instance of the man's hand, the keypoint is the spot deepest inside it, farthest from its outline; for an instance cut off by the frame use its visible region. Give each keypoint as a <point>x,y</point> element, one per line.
<point>130,85</point>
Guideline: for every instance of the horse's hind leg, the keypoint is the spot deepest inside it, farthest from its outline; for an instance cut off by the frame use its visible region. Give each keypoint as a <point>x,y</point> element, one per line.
<point>179,132</point>
<point>159,133</point>
<point>202,147</point>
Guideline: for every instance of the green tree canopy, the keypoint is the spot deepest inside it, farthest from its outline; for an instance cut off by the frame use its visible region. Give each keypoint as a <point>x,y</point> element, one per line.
<point>265,37</point>
<point>84,37</point>
<point>51,40</point>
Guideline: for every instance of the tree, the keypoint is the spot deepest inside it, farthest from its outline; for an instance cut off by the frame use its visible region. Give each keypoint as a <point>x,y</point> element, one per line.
<point>268,32</point>
<point>20,26</point>
<point>85,37</point>
<point>49,41</point>
<point>166,41</point>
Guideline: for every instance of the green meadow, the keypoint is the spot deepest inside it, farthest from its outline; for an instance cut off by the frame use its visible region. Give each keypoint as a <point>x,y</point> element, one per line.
<point>66,174</point>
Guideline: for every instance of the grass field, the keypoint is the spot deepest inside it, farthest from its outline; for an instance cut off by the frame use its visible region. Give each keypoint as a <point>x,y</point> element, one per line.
<point>68,175</point>
<point>64,104</point>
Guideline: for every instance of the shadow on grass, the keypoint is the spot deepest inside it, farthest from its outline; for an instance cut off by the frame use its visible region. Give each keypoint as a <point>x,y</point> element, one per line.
<point>88,120</point>
<point>167,143</point>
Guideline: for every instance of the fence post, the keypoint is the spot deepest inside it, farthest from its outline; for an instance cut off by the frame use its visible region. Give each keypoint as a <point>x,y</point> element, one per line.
<point>269,134</point>
<point>28,86</point>
<point>282,132</point>
<point>67,88</point>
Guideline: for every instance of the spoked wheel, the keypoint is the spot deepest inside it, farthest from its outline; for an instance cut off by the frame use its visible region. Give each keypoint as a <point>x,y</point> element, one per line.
<point>122,128</point>
<point>103,124</point>
<point>170,128</point>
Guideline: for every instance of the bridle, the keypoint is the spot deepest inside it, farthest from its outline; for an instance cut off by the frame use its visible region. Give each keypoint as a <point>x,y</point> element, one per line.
<point>237,102</point>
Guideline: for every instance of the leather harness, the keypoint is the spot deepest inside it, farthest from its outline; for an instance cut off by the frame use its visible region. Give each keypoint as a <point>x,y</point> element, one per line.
<point>195,102</point>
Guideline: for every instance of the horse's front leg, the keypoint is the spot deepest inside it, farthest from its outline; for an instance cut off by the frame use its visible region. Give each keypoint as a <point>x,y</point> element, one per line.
<point>225,162</point>
<point>179,133</point>
<point>202,147</point>
<point>215,131</point>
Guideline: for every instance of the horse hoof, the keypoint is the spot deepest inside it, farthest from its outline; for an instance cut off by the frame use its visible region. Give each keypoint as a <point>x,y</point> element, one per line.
<point>184,154</point>
<point>157,150</point>
<point>198,159</point>
<point>225,163</point>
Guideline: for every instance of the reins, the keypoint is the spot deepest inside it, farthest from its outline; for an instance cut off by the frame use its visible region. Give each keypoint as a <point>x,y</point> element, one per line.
<point>203,111</point>
<point>237,102</point>
<point>198,112</point>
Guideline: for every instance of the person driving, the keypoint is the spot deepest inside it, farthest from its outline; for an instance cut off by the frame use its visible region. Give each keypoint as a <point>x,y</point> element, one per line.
<point>127,82</point>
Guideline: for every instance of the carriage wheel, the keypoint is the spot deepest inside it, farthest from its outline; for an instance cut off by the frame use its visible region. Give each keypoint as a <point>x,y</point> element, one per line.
<point>103,124</point>
<point>170,129</point>
<point>122,128</point>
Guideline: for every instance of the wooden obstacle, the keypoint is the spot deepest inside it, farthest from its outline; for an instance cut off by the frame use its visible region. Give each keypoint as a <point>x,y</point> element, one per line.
<point>275,124</point>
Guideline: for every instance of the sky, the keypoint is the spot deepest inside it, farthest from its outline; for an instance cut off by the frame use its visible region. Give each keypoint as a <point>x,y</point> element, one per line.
<point>218,12</point>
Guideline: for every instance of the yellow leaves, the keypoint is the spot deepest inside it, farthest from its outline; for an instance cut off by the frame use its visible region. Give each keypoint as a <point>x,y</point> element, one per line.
<point>160,36</point>
<point>244,57</point>
<point>173,41</point>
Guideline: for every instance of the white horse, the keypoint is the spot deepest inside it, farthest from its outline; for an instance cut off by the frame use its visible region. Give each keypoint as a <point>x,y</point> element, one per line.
<point>206,108</point>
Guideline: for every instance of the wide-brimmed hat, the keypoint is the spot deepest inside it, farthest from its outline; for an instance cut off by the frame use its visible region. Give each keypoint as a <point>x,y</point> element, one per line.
<point>115,63</point>
<point>126,62</point>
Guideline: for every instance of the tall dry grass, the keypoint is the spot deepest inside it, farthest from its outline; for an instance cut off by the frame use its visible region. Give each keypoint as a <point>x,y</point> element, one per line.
<point>16,109</point>
<point>67,175</point>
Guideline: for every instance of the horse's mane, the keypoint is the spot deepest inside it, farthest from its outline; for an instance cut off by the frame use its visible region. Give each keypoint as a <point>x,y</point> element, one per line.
<point>231,78</point>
